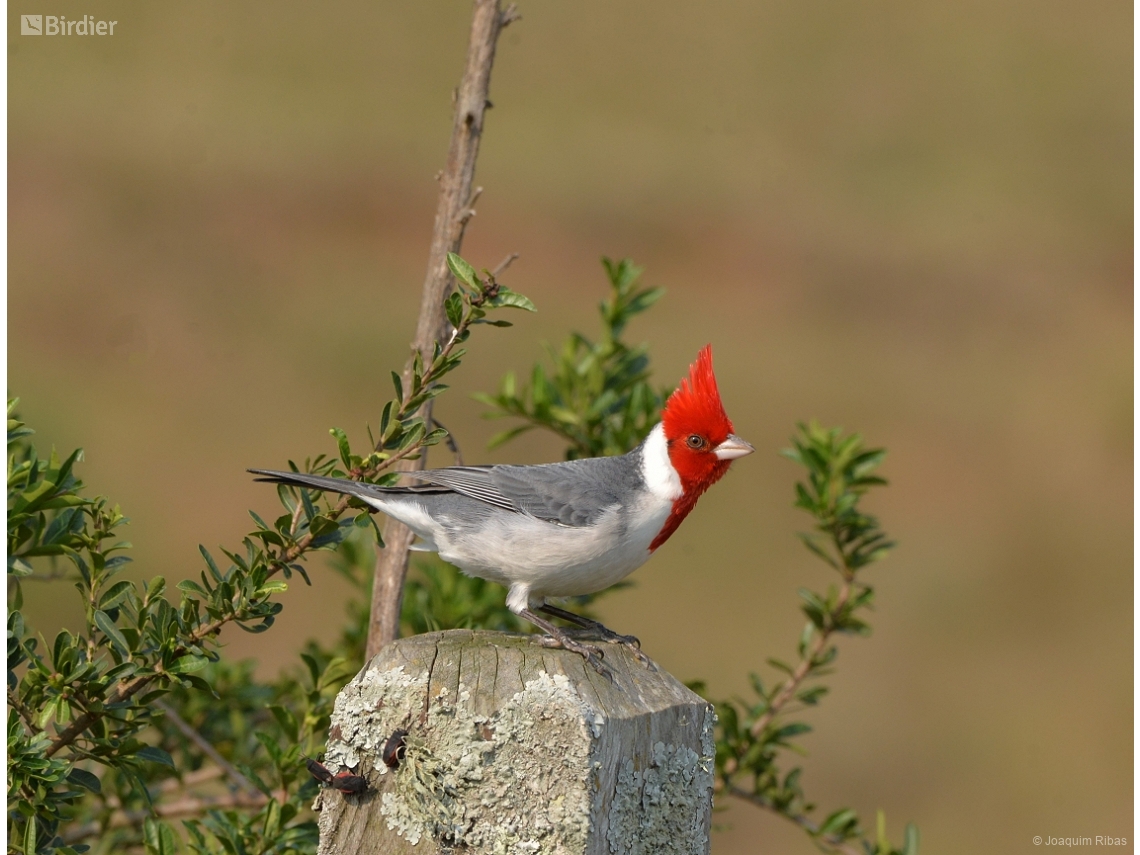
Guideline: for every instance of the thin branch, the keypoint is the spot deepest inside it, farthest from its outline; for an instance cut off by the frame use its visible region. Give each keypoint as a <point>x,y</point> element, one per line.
<point>452,214</point>
<point>452,443</point>
<point>204,744</point>
<point>824,840</point>
<point>503,265</point>
<point>792,683</point>
<point>25,713</point>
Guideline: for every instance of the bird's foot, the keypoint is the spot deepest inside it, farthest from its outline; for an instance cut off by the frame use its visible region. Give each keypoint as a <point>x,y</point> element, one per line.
<point>593,655</point>
<point>632,642</point>
<point>556,637</point>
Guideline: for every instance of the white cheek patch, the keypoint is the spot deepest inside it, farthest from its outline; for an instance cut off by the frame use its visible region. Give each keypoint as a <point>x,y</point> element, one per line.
<point>657,470</point>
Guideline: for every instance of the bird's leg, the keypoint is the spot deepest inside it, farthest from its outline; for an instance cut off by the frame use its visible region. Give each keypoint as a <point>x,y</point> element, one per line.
<point>605,632</point>
<point>558,638</point>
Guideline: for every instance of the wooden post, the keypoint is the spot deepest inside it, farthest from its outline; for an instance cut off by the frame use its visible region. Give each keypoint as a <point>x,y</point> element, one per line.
<point>518,749</point>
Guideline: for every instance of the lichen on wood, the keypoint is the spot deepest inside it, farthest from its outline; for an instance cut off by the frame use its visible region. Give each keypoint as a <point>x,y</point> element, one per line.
<point>514,748</point>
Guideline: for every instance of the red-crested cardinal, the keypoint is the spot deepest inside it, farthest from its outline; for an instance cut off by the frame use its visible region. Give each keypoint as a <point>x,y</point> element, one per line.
<point>564,529</point>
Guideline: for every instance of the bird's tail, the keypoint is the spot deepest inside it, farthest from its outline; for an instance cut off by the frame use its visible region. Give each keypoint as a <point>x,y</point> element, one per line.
<point>321,482</point>
<point>403,504</point>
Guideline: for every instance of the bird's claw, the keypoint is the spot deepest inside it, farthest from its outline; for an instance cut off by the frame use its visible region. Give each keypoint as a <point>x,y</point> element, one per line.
<point>593,655</point>
<point>633,643</point>
<point>641,657</point>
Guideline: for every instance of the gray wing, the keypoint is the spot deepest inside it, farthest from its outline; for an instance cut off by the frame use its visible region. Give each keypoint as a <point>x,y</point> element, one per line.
<point>574,493</point>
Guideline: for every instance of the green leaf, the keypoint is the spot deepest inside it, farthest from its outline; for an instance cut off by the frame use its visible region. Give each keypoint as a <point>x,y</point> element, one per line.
<point>270,744</point>
<point>508,298</point>
<point>30,836</point>
<point>158,837</point>
<point>811,541</point>
<point>189,586</point>
<point>83,778</point>
<point>104,622</point>
<point>789,730</point>
<point>311,664</point>
<point>320,526</point>
<point>839,821</point>
<point>116,594</point>
<point>272,823</point>
<point>286,720</point>
<point>155,755</point>
<point>507,435</point>
<point>435,437</point>
<point>644,300</point>
<point>453,306</point>
<point>910,846</point>
<point>342,444</point>
<point>399,386</point>
<point>386,419</point>
<point>210,559</point>
<point>463,271</point>
<point>191,681</point>
<point>188,663</point>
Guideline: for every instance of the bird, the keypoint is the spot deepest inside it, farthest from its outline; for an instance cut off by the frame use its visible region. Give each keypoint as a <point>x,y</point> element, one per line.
<point>554,530</point>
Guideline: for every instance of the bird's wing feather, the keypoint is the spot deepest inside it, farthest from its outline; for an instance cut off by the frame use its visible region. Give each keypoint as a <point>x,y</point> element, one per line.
<point>473,481</point>
<point>574,493</point>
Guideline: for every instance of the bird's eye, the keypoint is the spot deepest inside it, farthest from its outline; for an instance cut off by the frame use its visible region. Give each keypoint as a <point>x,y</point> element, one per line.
<point>696,441</point>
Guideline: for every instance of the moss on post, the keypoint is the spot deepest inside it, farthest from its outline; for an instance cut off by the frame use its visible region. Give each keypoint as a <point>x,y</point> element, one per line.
<point>517,748</point>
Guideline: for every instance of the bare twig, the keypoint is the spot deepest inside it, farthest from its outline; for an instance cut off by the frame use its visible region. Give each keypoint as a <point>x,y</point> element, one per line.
<point>503,265</point>
<point>455,199</point>
<point>204,744</point>
<point>452,443</point>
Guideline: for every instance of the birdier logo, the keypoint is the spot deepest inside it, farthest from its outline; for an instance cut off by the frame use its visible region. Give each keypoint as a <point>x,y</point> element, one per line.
<point>52,25</point>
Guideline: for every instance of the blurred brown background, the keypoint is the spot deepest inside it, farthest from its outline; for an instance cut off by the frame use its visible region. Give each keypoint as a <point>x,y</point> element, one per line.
<point>911,219</point>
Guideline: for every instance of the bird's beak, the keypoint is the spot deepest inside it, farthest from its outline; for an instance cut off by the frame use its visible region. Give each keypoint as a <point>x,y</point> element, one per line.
<point>732,448</point>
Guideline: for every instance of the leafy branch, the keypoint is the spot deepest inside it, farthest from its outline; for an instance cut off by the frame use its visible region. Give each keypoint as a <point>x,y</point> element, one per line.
<point>596,395</point>
<point>87,701</point>
<point>839,472</point>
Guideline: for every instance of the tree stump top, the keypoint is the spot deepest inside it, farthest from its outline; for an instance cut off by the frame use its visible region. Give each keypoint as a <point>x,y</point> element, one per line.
<point>515,748</point>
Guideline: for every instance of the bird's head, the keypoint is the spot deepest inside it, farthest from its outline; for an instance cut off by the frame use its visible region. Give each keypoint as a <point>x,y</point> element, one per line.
<point>698,431</point>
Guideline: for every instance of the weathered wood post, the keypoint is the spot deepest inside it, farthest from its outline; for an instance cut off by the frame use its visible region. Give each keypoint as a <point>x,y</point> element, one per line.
<point>514,748</point>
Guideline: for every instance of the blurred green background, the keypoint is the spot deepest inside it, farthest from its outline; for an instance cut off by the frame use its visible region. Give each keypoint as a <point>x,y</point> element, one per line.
<point>910,218</point>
